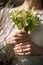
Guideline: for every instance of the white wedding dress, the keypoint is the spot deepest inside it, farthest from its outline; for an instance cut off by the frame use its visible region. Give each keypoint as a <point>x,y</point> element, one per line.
<point>36,37</point>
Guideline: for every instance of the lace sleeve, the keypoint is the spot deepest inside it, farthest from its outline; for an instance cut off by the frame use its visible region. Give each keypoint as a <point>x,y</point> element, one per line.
<point>8,48</point>
<point>2,52</point>
<point>6,52</point>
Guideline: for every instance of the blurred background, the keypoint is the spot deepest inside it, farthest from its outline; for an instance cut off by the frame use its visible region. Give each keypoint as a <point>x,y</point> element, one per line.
<point>16,2</point>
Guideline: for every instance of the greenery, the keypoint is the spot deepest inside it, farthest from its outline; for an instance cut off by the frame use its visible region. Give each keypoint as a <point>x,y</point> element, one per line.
<point>25,19</point>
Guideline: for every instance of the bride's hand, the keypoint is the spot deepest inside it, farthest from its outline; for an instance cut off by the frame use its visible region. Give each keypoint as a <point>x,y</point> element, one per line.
<point>11,38</point>
<point>23,46</point>
<point>20,40</point>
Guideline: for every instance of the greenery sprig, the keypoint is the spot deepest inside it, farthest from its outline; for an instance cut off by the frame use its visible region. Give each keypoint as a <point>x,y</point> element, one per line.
<point>25,19</point>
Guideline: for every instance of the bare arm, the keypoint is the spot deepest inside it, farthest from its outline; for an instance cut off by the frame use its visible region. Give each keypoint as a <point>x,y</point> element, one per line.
<point>36,50</point>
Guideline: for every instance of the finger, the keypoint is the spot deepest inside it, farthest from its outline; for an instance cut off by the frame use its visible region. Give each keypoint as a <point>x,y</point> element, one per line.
<point>20,54</point>
<point>19,44</point>
<point>19,51</point>
<point>24,38</point>
<point>9,38</point>
<point>28,53</point>
<point>23,45</point>
<point>22,32</point>
<point>21,35</point>
<point>27,50</point>
<point>26,46</point>
<point>22,41</point>
<point>17,48</point>
<point>23,50</point>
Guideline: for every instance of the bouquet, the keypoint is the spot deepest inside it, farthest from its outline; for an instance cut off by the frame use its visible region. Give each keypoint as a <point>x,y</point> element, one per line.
<point>25,19</point>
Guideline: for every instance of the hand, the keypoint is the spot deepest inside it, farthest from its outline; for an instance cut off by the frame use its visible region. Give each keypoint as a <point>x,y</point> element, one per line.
<point>20,40</point>
<point>11,38</point>
<point>23,46</point>
<point>23,49</point>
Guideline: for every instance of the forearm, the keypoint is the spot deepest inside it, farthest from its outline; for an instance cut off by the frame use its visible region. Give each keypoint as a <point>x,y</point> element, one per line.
<point>36,50</point>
